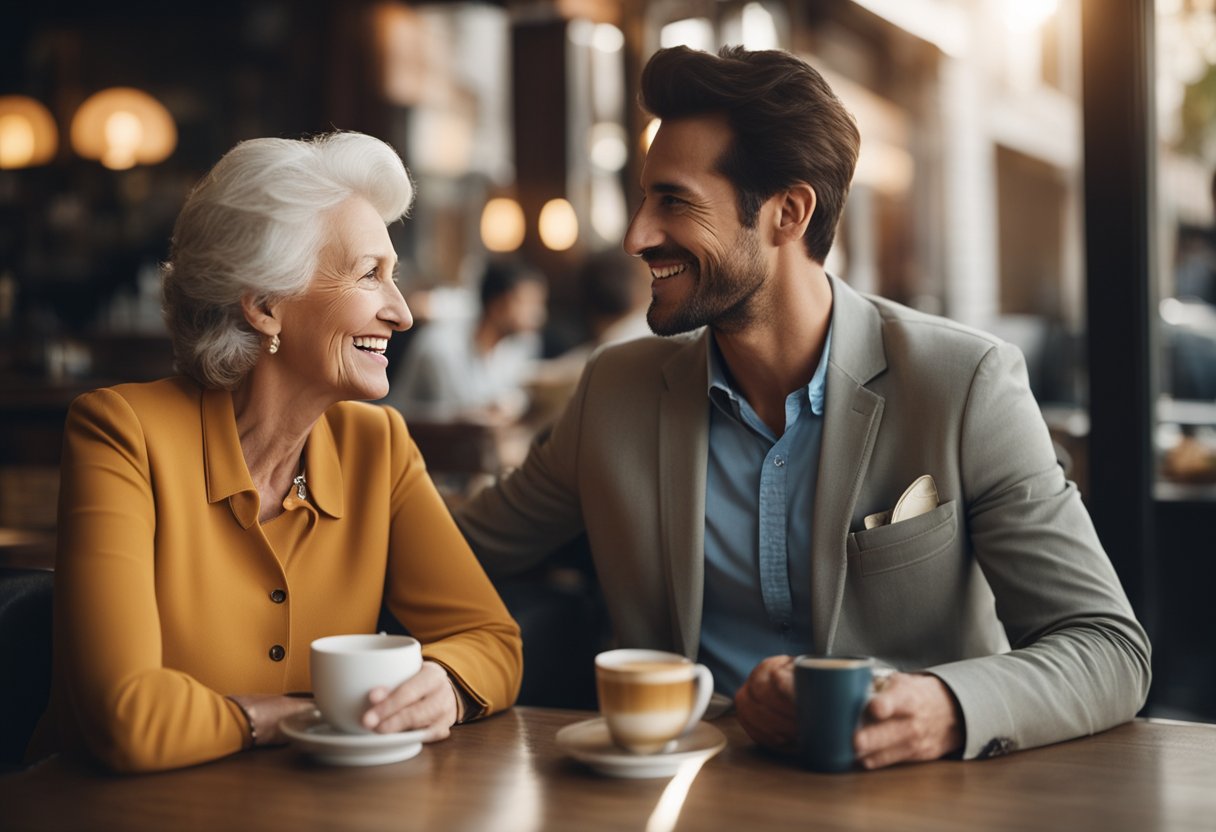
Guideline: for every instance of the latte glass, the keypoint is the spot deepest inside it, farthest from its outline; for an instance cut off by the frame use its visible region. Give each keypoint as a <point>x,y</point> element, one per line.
<point>650,698</point>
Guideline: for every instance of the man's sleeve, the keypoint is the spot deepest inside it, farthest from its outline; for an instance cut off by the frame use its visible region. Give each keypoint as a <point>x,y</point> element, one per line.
<point>1079,661</point>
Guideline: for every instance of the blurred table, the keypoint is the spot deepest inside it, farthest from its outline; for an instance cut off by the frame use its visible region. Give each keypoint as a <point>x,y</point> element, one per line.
<point>507,773</point>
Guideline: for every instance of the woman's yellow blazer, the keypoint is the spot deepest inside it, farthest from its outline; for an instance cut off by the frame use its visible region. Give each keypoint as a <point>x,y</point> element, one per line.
<point>169,594</point>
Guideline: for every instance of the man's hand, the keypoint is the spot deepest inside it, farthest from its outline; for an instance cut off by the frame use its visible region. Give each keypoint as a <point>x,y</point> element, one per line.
<point>914,717</point>
<point>765,704</point>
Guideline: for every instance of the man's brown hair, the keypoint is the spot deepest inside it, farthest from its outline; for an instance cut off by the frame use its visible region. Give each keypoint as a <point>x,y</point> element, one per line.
<point>787,125</point>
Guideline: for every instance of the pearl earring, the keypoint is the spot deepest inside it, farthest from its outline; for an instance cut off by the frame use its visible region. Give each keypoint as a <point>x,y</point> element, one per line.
<point>274,344</point>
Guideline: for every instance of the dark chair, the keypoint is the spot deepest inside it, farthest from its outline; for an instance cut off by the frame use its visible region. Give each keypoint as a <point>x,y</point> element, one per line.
<point>25,655</point>
<point>563,623</point>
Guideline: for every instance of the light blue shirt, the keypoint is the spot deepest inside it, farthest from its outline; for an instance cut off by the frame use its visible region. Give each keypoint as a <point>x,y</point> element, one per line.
<point>759,494</point>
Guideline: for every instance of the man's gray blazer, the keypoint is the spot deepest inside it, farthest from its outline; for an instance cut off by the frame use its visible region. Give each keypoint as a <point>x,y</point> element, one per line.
<point>1008,558</point>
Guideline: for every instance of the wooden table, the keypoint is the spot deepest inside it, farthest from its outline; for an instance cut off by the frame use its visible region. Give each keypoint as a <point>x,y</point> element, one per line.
<point>507,773</point>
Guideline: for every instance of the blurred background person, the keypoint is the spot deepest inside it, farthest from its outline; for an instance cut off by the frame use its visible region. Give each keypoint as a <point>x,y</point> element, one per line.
<point>614,293</point>
<point>461,369</point>
<point>213,524</point>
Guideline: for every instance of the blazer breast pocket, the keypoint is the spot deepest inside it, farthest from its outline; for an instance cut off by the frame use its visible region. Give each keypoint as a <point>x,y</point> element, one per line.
<point>903,544</point>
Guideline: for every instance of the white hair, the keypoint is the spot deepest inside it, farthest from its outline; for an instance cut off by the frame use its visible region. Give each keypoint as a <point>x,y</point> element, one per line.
<point>255,226</point>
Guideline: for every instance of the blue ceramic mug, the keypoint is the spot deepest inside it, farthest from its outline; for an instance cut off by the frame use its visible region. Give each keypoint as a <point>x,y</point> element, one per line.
<point>831,693</point>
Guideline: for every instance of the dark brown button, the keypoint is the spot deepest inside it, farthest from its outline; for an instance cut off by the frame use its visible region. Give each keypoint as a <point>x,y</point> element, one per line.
<point>277,653</point>
<point>278,596</point>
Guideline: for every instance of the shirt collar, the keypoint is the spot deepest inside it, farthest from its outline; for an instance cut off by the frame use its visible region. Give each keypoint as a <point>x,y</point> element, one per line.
<point>815,390</point>
<point>323,469</point>
<point>228,476</point>
<point>720,380</point>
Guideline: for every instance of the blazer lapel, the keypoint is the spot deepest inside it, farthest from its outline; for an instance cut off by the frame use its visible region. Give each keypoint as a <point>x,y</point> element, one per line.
<point>682,453</point>
<point>852,415</point>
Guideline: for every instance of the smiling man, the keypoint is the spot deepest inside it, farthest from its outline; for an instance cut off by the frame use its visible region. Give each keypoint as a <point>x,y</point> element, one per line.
<point>741,480</point>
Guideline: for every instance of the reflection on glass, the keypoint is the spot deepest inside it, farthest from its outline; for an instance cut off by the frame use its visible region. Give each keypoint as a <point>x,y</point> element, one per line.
<point>1186,100</point>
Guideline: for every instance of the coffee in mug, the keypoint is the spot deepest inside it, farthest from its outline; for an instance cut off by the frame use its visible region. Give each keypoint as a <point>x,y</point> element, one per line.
<point>650,698</point>
<point>831,693</point>
<point>346,668</point>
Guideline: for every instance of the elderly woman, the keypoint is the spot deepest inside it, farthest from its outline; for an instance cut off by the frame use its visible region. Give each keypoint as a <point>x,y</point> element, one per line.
<point>213,524</point>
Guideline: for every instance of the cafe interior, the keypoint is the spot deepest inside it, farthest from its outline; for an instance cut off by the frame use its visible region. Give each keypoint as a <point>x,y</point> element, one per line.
<point>1038,169</point>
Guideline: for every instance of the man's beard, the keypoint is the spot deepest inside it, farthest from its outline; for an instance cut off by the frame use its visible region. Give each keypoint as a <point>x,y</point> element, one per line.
<point>721,297</point>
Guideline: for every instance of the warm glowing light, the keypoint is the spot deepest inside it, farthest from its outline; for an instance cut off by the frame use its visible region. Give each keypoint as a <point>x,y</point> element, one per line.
<point>607,38</point>
<point>558,225</point>
<point>123,127</point>
<point>649,133</point>
<point>608,209</point>
<point>1028,15</point>
<point>27,133</point>
<point>502,225</point>
<point>759,28</point>
<point>608,151</point>
<point>885,167</point>
<point>16,141</point>
<point>123,136</point>
<point>693,32</point>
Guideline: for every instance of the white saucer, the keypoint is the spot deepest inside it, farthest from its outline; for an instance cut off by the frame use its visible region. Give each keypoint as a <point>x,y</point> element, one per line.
<point>589,743</point>
<point>317,738</point>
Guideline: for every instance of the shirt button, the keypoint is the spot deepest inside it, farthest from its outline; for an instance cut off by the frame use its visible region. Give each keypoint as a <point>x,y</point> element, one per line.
<point>779,461</point>
<point>278,596</point>
<point>277,653</point>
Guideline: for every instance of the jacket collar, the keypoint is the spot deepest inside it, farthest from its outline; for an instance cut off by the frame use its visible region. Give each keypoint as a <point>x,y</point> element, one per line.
<point>684,439</point>
<point>857,347</point>
<point>852,416</point>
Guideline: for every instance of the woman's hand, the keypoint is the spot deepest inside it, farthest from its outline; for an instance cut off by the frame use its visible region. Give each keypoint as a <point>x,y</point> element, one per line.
<point>426,701</point>
<point>265,712</point>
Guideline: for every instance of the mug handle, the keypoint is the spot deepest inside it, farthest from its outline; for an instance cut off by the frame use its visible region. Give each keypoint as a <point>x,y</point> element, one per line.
<point>705,689</point>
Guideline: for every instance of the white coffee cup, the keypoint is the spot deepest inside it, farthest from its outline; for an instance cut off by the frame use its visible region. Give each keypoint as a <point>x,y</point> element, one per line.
<point>346,668</point>
<point>650,698</point>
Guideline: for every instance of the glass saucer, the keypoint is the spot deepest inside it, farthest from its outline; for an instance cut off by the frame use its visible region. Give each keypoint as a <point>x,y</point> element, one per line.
<point>589,743</point>
<point>314,736</point>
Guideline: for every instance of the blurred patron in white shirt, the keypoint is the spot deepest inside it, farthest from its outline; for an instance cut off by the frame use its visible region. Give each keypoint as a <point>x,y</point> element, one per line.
<point>474,369</point>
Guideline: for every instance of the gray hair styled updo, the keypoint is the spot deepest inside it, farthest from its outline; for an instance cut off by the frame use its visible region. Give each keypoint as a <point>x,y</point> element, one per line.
<point>255,226</point>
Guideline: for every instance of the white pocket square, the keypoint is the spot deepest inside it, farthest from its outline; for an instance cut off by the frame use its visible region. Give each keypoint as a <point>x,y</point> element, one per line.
<point>920,497</point>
